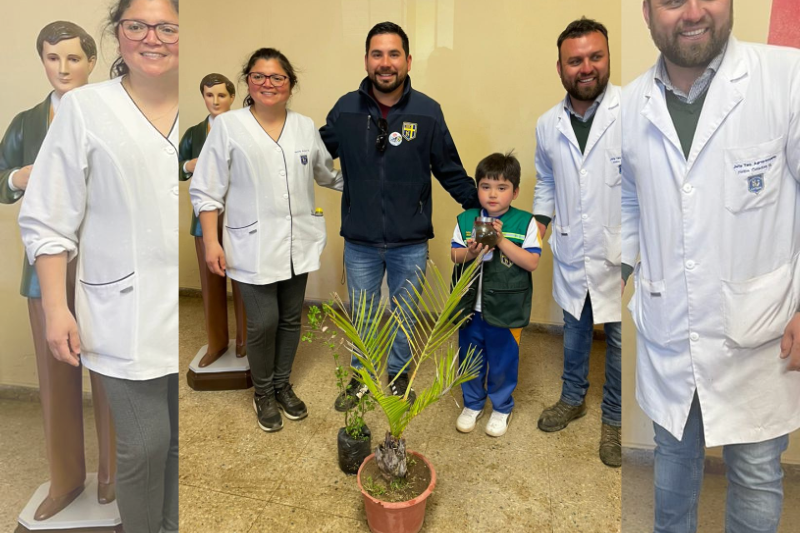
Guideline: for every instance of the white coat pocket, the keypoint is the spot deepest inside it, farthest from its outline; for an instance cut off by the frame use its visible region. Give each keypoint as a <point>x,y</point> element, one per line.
<point>566,244</point>
<point>648,308</point>
<point>757,310</point>
<point>242,251</point>
<point>612,242</point>
<point>613,167</point>
<point>753,175</point>
<point>107,316</point>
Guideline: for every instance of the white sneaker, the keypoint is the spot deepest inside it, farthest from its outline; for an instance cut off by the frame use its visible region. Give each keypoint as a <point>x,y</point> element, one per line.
<point>498,424</point>
<point>467,419</point>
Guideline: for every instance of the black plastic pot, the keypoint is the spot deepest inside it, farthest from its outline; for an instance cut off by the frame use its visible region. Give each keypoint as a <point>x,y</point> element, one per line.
<point>352,452</point>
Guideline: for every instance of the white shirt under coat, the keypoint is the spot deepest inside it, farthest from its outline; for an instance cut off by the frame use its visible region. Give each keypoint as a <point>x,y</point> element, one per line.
<point>719,239</point>
<point>265,191</point>
<point>104,182</point>
<point>583,190</point>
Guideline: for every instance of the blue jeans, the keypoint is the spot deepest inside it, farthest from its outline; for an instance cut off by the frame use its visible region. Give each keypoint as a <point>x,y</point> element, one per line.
<point>755,488</point>
<point>577,347</point>
<point>365,266</point>
<point>499,349</point>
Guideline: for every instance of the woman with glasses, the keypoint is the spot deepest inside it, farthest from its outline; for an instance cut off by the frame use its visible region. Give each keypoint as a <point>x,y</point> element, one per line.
<point>105,184</point>
<point>258,168</point>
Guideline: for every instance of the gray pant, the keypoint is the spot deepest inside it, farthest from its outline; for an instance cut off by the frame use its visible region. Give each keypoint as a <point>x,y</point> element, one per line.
<point>274,314</point>
<point>146,419</point>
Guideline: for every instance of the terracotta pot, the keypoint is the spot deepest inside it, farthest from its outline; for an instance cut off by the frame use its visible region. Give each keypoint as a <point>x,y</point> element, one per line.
<point>400,517</point>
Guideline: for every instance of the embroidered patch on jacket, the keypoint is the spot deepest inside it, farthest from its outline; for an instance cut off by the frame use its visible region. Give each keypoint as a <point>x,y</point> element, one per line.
<point>395,139</point>
<point>409,130</point>
<point>505,260</point>
<point>304,159</point>
<point>755,184</point>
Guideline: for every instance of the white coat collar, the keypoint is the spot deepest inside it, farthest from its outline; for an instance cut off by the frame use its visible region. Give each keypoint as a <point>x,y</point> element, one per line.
<point>605,116</point>
<point>726,91</point>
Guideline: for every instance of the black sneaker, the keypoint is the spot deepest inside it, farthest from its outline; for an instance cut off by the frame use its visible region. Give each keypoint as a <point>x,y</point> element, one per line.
<point>269,418</point>
<point>399,385</point>
<point>351,396</point>
<point>293,407</point>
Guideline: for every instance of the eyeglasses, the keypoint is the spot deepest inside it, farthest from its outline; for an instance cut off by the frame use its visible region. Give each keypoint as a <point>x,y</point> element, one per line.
<point>383,135</point>
<point>136,30</point>
<point>257,78</point>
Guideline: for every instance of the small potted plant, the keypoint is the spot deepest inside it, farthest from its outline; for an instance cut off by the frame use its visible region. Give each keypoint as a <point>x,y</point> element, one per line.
<point>396,482</point>
<point>354,441</point>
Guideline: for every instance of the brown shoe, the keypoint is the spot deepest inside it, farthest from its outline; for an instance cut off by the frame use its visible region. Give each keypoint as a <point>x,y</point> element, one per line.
<point>211,357</point>
<point>52,506</point>
<point>558,416</point>
<point>610,447</point>
<point>106,493</point>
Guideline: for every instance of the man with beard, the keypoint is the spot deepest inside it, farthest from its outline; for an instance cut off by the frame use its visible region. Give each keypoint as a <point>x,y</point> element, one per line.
<point>711,201</point>
<point>578,179</point>
<point>389,138</point>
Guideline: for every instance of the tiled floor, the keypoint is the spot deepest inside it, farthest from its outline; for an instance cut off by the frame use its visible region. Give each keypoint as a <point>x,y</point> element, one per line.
<point>637,500</point>
<point>236,478</point>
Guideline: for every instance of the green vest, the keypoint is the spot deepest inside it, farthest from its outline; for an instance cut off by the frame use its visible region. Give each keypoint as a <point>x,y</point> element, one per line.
<point>507,289</point>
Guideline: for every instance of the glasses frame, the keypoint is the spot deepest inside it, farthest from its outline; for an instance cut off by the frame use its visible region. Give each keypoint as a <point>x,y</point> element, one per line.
<point>153,27</point>
<point>383,135</point>
<point>270,77</point>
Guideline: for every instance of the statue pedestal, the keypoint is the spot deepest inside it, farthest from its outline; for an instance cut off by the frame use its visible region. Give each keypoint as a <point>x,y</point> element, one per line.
<point>84,514</point>
<point>226,373</point>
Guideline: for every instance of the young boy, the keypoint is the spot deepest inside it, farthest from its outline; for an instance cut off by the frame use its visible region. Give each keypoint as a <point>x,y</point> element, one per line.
<point>501,298</point>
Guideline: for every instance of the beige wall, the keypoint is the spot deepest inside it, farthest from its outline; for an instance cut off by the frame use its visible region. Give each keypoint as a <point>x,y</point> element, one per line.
<point>25,85</point>
<point>751,24</point>
<point>491,69</point>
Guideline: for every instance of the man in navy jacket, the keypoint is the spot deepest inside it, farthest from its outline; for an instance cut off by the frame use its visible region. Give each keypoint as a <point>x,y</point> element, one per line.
<point>389,139</point>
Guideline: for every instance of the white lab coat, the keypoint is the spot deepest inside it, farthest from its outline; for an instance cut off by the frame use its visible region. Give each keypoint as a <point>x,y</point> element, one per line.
<point>265,190</point>
<point>105,183</point>
<point>584,192</point>
<point>719,237</point>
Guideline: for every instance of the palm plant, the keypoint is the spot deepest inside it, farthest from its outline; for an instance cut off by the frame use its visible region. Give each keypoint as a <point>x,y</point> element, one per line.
<point>429,316</point>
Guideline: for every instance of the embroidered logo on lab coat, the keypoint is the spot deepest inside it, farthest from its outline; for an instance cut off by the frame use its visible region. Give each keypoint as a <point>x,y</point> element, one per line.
<point>304,159</point>
<point>505,260</point>
<point>395,139</point>
<point>755,184</point>
<point>409,130</point>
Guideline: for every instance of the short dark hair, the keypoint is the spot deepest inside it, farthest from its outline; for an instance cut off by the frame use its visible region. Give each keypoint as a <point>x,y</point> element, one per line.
<point>388,27</point>
<point>496,166</point>
<point>579,28</point>
<point>267,54</point>
<point>62,30</point>
<point>209,80</point>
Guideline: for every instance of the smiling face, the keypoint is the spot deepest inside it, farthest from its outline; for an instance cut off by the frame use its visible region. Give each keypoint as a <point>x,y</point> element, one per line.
<point>267,94</point>
<point>690,33</point>
<point>496,195</point>
<point>583,66</point>
<point>386,62</point>
<point>149,57</point>
<point>66,65</point>
<point>218,99</point>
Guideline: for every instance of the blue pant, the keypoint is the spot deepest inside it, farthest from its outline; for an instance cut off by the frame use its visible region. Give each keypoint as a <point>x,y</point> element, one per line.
<point>577,346</point>
<point>499,348</point>
<point>365,266</point>
<point>755,488</point>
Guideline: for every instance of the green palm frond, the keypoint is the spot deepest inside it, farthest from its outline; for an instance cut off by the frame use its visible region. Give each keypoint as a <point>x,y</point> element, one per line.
<point>429,316</point>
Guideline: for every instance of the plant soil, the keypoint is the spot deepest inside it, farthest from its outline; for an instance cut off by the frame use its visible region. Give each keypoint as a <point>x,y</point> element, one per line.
<point>415,483</point>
